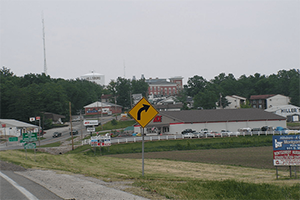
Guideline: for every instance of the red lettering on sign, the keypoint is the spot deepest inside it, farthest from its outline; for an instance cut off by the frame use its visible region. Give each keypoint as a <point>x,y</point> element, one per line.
<point>157,119</point>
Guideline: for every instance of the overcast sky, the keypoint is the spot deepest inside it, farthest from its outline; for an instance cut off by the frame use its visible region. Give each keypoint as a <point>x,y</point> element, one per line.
<point>159,38</point>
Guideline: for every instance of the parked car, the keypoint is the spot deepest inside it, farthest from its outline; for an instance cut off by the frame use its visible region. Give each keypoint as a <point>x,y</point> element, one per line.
<point>234,133</point>
<point>188,135</point>
<point>199,134</point>
<point>209,134</point>
<point>75,132</point>
<point>56,134</point>
<point>225,133</point>
<point>187,131</point>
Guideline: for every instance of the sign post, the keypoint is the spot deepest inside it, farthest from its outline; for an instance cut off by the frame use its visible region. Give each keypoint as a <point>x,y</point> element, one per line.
<point>143,112</point>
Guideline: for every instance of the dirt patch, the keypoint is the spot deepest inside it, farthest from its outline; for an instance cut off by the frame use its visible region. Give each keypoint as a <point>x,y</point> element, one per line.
<point>258,157</point>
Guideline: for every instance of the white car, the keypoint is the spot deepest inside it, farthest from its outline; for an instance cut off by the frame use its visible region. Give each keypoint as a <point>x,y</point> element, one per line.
<point>234,134</point>
<point>188,135</point>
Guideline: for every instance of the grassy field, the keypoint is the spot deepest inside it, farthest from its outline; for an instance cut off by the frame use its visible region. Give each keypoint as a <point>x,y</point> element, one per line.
<point>220,173</point>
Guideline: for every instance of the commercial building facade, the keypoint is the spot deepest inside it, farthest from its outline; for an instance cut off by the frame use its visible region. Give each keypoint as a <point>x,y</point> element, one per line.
<point>174,122</point>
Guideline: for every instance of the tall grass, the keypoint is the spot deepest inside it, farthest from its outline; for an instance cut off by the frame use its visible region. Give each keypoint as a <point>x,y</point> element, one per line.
<point>226,189</point>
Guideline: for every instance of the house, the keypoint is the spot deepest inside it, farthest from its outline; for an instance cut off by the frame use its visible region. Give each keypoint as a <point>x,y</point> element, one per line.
<point>12,127</point>
<point>259,101</point>
<point>235,102</point>
<point>172,122</point>
<point>290,112</point>
<point>268,100</point>
<point>98,108</point>
<point>278,100</point>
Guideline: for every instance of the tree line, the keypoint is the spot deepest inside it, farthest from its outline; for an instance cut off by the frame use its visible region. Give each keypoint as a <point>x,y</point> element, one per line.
<point>206,93</point>
<point>32,94</point>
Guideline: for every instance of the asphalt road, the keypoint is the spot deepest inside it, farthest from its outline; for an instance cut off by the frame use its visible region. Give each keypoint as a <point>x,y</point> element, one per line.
<point>48,139</point>
<point>14,186</point>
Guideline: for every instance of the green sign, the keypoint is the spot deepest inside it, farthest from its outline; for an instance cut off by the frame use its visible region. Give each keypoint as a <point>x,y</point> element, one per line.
<point>29,146</point>
<point>29,137</point>
<point>13,139</point>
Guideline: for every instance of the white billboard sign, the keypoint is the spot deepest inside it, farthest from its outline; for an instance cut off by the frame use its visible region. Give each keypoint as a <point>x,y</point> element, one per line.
<point>90,122</point>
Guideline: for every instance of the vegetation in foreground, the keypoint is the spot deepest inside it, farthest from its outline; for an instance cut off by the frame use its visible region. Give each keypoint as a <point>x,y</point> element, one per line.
<point>170,179</point>
<point>226,189</point>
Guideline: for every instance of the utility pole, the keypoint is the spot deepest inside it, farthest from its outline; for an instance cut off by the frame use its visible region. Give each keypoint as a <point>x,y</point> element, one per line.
<point>71,125</point>
<point>81,125</point>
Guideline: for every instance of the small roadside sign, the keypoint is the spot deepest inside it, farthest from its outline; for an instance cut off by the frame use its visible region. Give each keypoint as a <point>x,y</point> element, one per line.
<point>13,139</point>
<point>29,146</point>
<point>143,112</point>
<point>90,129</point>
<point>94,143</point>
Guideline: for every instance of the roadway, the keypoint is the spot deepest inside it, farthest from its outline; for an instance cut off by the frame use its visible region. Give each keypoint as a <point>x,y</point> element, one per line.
<point>48,139</point>
<point>14,186</point>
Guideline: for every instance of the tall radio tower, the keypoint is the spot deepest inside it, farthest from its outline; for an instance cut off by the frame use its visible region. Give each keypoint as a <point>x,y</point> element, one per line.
<point>45,63</point>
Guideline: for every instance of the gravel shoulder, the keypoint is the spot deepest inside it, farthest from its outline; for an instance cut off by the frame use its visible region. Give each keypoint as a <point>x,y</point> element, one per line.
<point>74,186</point>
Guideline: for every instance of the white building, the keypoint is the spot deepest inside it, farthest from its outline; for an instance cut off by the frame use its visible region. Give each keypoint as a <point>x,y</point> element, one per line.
<point>94,77</point>
<point>235,101</point>
<point>277,100</point>
<point>12,127</point>
<point>292,113</point>
<point>172,122</point>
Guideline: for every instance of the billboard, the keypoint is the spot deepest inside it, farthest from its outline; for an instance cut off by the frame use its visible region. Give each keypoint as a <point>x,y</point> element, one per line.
<point>286,150</point>
<point>90,122</point>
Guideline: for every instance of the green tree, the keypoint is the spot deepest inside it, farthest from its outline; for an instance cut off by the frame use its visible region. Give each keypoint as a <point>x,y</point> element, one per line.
<point>205,100</point>
<point>195,85</point>
<point>123,90</point>
<point>139,87</point>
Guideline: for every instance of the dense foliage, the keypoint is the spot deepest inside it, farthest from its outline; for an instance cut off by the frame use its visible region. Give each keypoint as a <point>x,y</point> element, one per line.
<point>33,94</point>
<point>206,93</point>
<point>28,96</point>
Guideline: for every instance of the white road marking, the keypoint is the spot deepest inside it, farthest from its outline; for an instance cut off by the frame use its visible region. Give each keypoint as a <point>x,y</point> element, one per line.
<point>20,188</point>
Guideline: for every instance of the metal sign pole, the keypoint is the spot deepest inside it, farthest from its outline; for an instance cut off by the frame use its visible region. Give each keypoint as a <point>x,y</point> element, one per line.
<point>39,130</point>
<point>142,151</point>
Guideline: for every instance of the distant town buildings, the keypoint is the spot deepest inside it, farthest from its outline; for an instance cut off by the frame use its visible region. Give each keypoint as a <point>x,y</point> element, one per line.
<point>162,87</point>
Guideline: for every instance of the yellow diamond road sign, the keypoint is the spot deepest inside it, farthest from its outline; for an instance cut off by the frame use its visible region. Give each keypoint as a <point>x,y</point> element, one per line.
<point>143,112</point>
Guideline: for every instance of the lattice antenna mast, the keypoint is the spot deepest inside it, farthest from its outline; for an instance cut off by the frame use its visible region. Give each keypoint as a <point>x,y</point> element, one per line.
<point>44,44</point>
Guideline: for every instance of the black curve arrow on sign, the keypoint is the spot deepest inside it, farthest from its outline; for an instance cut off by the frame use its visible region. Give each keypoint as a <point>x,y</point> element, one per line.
<point>145,107</point>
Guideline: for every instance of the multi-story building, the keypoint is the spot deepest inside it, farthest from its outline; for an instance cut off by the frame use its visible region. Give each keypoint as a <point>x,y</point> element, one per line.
<point>268,100</point>
<point>162,87</point>
<point>235,101</point>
